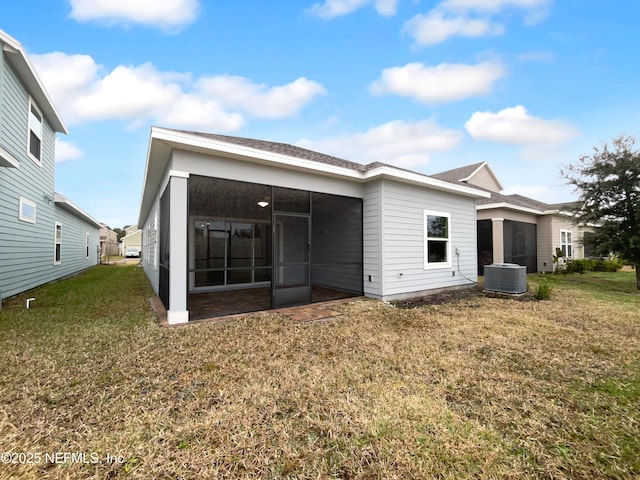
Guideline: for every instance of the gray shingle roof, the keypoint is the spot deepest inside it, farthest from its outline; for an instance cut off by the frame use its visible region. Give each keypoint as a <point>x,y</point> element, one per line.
<point>456,174</point>
<point>516,200</point>
<point>284,149</point>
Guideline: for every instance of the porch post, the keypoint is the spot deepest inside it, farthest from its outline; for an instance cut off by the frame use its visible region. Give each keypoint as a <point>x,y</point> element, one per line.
<point>497,230</point>
<point>179,214</point>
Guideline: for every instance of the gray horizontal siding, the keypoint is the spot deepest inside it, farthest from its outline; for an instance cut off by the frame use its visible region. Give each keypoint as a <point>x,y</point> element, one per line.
<point>27,249</point>
<point>404,271</point>
<point>372,237</point>
<point>150,247</point>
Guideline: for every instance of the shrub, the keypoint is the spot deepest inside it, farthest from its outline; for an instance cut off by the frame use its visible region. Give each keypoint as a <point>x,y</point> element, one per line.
<point>607,265</point>
<point>543,292</point>
<point>579,266</point>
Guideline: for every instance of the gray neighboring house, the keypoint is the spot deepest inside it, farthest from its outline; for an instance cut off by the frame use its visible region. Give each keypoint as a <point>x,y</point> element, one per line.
<point>43,235</point>
<point>519,229</point>
<point>221,213</point>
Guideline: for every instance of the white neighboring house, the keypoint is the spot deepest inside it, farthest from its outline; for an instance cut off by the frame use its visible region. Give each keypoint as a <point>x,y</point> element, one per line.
<point>221,213</point>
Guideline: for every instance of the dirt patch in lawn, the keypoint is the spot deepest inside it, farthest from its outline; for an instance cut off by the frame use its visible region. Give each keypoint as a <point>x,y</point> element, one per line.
<point>457,296</point>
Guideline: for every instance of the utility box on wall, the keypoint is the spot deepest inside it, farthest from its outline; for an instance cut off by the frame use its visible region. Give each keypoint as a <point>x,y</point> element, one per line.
<point>505,278</point>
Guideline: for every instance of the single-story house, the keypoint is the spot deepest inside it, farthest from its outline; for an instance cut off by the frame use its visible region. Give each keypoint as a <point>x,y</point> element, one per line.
<point>238,215</point>
<point>518,229</point>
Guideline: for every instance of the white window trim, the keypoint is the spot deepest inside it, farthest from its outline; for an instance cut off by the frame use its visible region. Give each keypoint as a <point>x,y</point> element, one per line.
<point>435,265</point>
<point>25,201</point>
<point>87,240</point>
<point>37,160</point>
<point>55,243</point>
<point>569,237</point>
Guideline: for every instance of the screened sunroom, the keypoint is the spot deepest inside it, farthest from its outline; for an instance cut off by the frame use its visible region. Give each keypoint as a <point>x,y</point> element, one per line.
<point>255,246</point>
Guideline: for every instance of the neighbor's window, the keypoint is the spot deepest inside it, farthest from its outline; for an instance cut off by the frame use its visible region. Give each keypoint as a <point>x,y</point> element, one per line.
<point>87,243</point>
<point>35,132</point>
<point>437,239</point>
<point>27,210</point>
<point>58,245</point>
<point>565,243</point>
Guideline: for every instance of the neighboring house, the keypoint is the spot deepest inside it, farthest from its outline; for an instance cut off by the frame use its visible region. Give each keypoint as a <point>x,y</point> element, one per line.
<point>518,229</point>
<point>130,229</point>
<point>221,213</point>
<point>132,240</point>
<point>108,241</point>
<point>43,235</point>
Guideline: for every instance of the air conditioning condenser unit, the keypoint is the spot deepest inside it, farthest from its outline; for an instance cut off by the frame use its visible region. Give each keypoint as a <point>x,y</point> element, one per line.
<point>505,278</point>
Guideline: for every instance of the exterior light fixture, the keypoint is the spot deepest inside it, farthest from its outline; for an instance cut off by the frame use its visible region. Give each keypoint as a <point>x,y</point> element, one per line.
<point>263,204</point>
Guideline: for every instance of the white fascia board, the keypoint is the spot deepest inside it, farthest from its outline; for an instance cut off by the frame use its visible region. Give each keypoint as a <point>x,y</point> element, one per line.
<point>8,160</point>
<point>480,167</point>
<point>64,202</point>
<point>468,177</point>
<point>196,142</point>
<point>510,206</point>
<point>29,76</point>
<point>564,213</point>
<point>423,180</point>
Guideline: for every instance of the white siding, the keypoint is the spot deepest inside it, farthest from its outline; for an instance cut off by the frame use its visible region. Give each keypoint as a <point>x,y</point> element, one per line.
<point>403,240</point>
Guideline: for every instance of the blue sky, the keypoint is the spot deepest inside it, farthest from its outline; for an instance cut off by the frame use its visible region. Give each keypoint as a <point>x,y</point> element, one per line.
<point>526,85</point>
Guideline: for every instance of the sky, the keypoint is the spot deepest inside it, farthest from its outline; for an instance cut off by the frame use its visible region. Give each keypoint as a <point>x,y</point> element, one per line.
<point>525,85</point>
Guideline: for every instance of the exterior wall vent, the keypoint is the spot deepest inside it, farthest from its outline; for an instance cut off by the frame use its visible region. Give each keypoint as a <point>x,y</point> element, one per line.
<point>505,278</point>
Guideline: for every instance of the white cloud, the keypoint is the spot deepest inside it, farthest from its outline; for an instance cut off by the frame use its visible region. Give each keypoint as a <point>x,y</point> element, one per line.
<point>493,5</point>
<point>165,14</point>
<point>261,100</point>
<point>137,94</point>
<point>338,8</point>
<point>470,18</point>
<point>514,126</point>
<point>536,10</point>
<point>387,7</point>
<point>437,26</point>
<point>442,83</point>
<point>66,151</point>
<point>399,143</point>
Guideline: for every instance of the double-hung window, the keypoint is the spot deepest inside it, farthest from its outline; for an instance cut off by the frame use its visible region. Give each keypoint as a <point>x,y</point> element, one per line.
<point>565,243</point>
<point>57,255</point>
<point>35,132</point>
<point>87,237</point>
<point>437,239</point>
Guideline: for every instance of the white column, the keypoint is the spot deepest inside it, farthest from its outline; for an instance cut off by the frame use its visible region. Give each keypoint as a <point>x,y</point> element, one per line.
<point>178,222</point>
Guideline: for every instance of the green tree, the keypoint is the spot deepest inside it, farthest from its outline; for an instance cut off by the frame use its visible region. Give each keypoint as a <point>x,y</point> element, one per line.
<point>608,182</point>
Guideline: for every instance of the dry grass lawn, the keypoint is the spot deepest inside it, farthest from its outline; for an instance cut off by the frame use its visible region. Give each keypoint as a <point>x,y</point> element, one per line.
<point>475,388</point>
